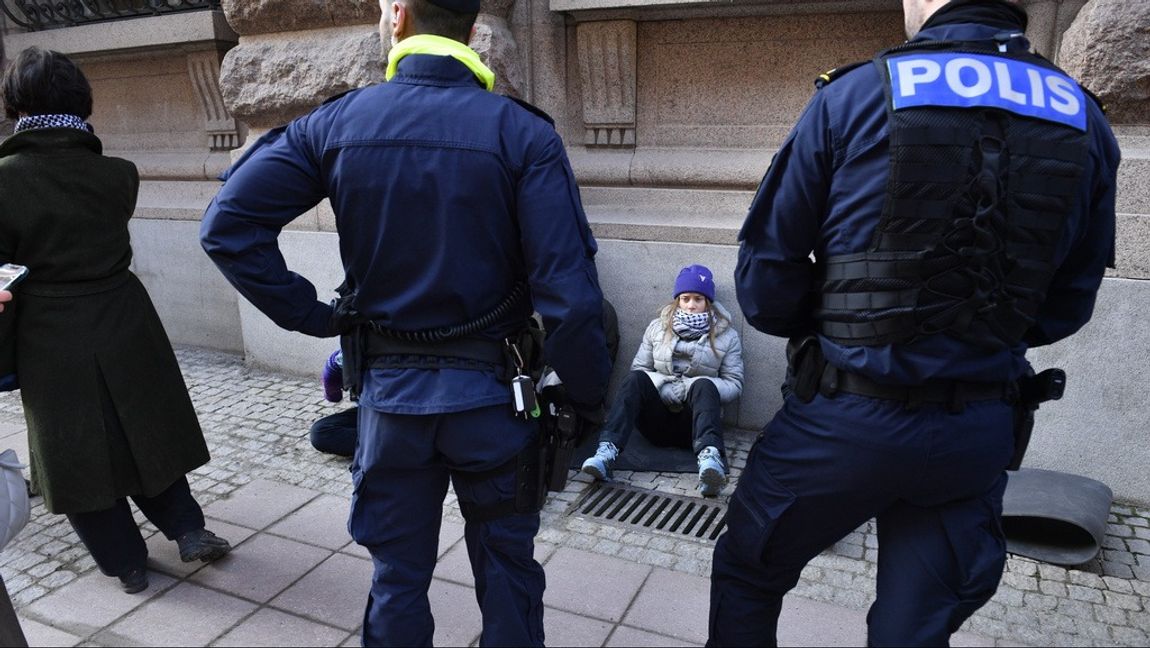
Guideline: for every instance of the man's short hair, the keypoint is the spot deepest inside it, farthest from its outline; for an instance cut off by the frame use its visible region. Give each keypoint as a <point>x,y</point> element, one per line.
<point>43,82</point>
<point>431,18</point>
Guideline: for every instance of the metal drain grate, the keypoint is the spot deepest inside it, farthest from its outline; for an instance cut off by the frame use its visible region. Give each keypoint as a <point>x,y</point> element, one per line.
<point>653,511</point>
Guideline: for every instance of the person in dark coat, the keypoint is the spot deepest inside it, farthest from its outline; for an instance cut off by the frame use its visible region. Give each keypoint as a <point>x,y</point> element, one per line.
<point>107,409</point>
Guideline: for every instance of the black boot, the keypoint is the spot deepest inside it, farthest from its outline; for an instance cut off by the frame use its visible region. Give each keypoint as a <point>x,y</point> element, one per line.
<point>134,581</point>
<point>202,544</point>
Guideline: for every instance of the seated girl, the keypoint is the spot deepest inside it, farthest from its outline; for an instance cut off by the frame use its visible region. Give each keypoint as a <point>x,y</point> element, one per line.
<point>689,363</point>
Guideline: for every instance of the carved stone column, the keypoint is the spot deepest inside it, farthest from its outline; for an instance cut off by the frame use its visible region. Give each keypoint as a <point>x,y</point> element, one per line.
<point>223,131</point>
<point>607,71</point>
<point>1107,51</point>
<point>496,46</point>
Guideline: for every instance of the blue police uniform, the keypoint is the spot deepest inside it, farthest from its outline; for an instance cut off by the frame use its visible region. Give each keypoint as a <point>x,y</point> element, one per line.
<point>445,197</point>
<point>933,475</point>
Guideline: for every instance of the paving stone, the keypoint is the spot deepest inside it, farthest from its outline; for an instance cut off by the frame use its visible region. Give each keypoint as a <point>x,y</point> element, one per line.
<point>1118,585</point>
<point>455,567</point>
<point>39,634</point>
<point>1118,570</point>
<point>88,604</point>
<point>1129,637</point>
<point>1052,573</point>
<point>457,620</point>
<point>164,554</point>
<point>186,615</point>
<point>321,522</point>
<point>1123,601</point>
<point>1138,546</point>
<point>683,616</point>
<point>1086,579</point>
<point>1080,593</point>
<point>261,568</point>
<point>269,627</point>
<point>259,504</point>
<point>566,629</point>
<point>1052,588</point>
<point>1120,530</point>
<point>334,592</point>
<point>625,636</point>
<point>575,583</point>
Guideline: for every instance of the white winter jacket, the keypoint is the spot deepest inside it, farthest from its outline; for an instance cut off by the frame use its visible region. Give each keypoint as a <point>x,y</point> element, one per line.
<point>722,365</point>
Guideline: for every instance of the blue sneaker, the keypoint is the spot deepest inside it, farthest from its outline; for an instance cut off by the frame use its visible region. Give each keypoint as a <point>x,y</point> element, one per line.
<point>599,465</point>
<point>712,473</point>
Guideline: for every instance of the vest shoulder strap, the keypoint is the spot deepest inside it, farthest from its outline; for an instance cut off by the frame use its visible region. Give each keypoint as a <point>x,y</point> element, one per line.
<point>830,75</point>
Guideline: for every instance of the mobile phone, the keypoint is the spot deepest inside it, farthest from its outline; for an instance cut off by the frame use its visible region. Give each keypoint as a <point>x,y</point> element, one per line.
<point>11,274</point>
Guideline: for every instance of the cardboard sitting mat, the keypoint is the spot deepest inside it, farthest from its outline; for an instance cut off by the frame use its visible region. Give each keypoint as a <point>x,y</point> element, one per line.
<point>640,454</point>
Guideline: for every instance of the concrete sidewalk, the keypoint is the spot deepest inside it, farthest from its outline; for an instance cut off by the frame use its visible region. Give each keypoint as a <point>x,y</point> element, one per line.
<point>295,578</point>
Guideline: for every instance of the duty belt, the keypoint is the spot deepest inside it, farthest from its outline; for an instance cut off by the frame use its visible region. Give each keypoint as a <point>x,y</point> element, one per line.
<point>953,393</point>
<point>385,352</point>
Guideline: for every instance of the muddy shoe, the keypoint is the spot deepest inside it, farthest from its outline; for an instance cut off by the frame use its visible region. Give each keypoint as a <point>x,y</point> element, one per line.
<point>134,581</point>
<point>202,545</point>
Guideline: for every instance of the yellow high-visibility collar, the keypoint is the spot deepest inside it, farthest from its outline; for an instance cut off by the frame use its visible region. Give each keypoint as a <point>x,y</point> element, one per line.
<point>439,46</point>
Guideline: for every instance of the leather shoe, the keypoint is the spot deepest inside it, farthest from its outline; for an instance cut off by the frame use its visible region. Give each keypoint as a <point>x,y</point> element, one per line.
<point>134,581</point>
<point>201,544</point>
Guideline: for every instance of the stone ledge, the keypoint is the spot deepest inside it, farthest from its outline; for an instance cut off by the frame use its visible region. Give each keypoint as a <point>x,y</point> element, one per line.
<point>176,165</point>
<point>170,30</point>
<point>743,6</point>
<point>738,169</point>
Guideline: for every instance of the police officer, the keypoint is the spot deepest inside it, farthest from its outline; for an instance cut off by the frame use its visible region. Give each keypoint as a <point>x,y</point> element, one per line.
<point>957,194</point>
<point>446,198</point>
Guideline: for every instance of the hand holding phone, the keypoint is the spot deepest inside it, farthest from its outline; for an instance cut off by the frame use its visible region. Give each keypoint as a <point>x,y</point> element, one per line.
<point>11,275</point>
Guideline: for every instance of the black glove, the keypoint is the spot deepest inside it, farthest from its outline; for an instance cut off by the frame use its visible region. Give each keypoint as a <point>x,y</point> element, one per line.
<point>344,317</point>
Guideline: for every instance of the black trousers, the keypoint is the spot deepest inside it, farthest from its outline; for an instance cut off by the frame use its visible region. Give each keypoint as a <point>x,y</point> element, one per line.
<point>638,404</point>
<point>113,537</point>
<point>336,433</point>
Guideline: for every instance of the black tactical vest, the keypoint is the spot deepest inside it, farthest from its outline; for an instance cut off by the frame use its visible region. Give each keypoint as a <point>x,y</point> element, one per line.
<point>975,205</point>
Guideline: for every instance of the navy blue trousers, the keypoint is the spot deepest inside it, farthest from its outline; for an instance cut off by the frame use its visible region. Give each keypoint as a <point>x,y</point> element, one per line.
<point>401,470</point>
<point>336,433</point>
<point>932,479</point>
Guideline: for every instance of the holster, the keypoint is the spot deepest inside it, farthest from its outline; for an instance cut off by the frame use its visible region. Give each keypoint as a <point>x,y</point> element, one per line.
<point>805,365</point>
<point>353,344</point>
<point>562,435</point>
<point>1032,390</point>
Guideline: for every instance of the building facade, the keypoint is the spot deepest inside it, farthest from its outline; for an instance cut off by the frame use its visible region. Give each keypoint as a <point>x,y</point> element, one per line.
<point>671,111</point>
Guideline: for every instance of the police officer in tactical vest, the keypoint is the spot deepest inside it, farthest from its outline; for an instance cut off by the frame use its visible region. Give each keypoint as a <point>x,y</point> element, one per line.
<point>957,195</point>
<point>458,215</point>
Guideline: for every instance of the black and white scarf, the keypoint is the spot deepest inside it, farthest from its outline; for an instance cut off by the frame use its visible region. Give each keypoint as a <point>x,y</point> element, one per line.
<point>52,121</point>
<point>690,326</point>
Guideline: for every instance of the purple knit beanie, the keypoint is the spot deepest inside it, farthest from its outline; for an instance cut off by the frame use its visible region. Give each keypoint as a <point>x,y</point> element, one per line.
<point>697,279</point>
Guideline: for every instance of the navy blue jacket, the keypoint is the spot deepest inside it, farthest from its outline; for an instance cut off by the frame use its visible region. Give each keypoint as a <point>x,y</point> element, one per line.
<point>445,195</point>
<point>823,194</point>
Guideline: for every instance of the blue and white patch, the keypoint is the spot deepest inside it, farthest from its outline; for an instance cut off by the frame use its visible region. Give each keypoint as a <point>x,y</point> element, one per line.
<point>980,81</point>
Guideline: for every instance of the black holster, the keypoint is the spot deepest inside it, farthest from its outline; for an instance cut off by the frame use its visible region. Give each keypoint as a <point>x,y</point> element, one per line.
<point>1032,391</point>
<point>805,367</point>
<point>560,429</point>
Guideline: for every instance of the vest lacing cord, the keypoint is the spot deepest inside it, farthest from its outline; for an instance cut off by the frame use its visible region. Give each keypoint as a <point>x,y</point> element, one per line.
<point>973,282</point>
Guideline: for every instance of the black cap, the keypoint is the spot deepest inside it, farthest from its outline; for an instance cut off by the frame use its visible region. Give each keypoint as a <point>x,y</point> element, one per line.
<point>458,6</point>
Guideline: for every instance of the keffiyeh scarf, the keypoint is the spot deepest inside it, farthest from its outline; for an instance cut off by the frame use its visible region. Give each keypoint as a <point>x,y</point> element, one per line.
<point>52,121</point>
<point>690,326</point>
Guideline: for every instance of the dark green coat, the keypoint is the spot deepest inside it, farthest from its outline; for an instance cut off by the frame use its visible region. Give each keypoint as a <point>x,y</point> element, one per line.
<point>107,409</point>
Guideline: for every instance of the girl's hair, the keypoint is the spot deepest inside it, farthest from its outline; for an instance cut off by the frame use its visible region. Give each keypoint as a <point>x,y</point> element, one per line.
<point>669,321</point>
<point>43,82</point>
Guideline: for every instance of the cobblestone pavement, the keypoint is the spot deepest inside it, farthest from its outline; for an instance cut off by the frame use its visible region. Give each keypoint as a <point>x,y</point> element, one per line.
<point>256,424</point>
